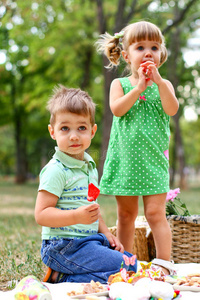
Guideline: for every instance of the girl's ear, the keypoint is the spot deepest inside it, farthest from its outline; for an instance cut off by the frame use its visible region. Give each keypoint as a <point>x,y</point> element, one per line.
<point>125,56</point>
<point>51,131</point>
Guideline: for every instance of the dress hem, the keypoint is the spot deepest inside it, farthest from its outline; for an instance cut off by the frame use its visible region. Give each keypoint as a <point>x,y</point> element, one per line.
<point>133,194</point>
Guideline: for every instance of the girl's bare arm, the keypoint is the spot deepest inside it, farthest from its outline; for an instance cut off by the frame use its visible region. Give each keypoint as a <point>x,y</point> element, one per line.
<point>168,98</point>
<point>120,103</point>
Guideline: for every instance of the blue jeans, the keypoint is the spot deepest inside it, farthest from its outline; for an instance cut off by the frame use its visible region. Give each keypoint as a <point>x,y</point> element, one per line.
<point>83,260</point>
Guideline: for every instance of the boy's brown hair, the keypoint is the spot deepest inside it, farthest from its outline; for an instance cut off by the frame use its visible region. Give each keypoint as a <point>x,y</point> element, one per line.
<point>71,100</point>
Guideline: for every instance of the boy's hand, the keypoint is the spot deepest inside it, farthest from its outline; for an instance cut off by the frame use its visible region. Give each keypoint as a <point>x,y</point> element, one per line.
<point>114,242</point>
<point>87,214</point>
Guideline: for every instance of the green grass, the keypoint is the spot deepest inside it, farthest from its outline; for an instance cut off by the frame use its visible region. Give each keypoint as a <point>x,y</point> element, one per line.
<point>20,237</point>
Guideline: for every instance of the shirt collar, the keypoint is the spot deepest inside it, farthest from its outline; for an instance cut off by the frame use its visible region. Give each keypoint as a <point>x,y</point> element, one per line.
<point>71,162</point>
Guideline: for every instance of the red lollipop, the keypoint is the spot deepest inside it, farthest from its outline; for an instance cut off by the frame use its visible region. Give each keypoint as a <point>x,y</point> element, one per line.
<point>93,192</point>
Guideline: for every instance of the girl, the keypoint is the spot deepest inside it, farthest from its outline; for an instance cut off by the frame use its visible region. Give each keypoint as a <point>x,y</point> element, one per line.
<point>137,157</point>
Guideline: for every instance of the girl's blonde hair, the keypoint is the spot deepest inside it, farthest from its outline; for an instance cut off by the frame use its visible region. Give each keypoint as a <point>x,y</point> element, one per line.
<point>70,100</point>
<point>112,46</point>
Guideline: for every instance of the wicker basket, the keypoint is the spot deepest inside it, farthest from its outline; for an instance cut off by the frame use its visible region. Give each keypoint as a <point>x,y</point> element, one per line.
<point>185,238</point>
<point>140,246</point>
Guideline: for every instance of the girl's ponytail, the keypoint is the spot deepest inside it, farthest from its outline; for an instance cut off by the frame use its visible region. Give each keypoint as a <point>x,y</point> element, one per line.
<point>111,47</point>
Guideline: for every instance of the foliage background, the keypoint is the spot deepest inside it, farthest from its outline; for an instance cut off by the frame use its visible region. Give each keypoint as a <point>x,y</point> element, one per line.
<point>46,43</point>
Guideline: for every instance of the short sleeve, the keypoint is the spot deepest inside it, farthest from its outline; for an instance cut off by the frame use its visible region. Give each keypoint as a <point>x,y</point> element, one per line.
<point>52,178</point>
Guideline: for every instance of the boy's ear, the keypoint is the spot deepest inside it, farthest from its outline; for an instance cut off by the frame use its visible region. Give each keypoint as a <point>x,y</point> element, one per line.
<point>125,56</point>
<point>51,131</point>
<point>94,129</point>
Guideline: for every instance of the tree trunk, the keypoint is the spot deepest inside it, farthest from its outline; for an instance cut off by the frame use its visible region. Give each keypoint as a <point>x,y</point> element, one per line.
<point>21,161</point>
<point>107,115</point>
<point>178,151</point>
<point>109,75</point>
<point>20,142</point>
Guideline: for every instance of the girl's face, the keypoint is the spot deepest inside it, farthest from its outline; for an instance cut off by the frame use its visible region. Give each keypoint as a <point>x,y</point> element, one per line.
<point>142,51</point>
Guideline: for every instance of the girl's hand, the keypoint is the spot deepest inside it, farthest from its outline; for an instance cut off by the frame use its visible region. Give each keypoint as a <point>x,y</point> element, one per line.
<point>87,214</point>
<point>150,71</point>
<point>143,78</point>
<point>166,90</point>
<point>114,242</point>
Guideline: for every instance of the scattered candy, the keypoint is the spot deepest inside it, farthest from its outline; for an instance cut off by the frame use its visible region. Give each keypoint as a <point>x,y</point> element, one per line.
<point>148,283</point>
<point>177,292</point>
<point>145,266</point>
<point>129,260</point>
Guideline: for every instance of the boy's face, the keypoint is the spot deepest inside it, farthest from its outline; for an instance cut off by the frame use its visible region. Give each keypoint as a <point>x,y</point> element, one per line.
<point>73,133</point>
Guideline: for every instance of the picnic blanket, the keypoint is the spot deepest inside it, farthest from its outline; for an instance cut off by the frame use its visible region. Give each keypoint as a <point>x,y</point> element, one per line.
<point>59,291</point>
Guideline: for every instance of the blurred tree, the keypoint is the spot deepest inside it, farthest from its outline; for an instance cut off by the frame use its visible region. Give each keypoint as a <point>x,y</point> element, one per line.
<point>16,84</point>
<point>46,43</point>
<point>192,138</point>
<point>175,70</point>
<point>41,51</point>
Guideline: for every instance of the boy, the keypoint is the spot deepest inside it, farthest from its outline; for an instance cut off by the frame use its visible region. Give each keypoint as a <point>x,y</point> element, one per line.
<point>76,242</point>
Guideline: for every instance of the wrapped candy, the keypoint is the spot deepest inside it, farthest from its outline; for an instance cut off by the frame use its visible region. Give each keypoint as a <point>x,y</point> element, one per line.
<point>30,288</point>
<point>162,290</point>
<point>143,289</point>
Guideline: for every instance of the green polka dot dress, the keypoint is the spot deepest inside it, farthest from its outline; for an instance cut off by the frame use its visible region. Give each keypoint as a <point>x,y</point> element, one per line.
<point>137,157</point>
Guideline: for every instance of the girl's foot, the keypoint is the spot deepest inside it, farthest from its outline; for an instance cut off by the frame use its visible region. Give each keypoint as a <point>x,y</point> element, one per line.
<point>167,267</point>
<point>165,271</point>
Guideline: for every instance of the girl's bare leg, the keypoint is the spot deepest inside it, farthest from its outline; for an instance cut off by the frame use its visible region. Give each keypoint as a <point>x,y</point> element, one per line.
<point>154,209</point>
<point>127,211</point>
